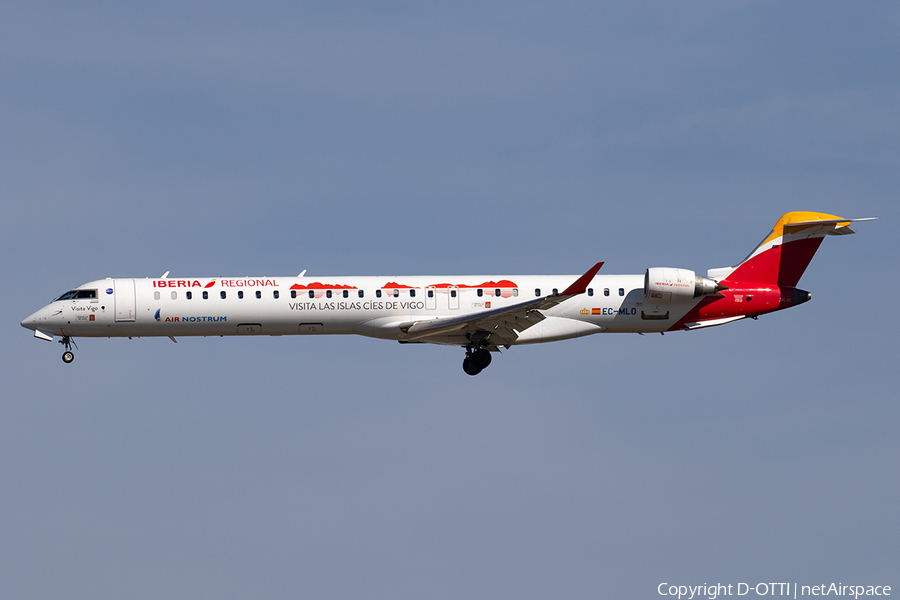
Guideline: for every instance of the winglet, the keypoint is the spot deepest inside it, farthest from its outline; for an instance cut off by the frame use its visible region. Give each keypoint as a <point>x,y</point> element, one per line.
<point>582,282</point>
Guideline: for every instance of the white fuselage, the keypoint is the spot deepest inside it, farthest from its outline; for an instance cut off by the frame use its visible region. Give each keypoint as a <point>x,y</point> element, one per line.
<point>480,313</point>
<point>369,306</point>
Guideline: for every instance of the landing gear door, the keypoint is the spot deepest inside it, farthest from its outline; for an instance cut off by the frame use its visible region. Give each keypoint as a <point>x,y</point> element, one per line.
<point>124,299</point>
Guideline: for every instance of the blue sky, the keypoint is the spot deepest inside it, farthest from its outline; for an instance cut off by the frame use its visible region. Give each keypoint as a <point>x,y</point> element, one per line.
<point>345,138</point>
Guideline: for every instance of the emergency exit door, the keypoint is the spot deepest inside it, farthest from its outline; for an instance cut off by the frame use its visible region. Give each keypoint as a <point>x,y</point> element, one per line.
<point>453,297</point>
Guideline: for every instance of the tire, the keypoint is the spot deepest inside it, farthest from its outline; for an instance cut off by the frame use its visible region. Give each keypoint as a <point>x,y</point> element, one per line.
<point>68,356</point>
<point>469,367</point>
<point>481,359</point>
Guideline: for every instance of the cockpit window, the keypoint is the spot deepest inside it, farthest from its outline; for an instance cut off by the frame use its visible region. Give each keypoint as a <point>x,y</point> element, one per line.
<point>78,295</point>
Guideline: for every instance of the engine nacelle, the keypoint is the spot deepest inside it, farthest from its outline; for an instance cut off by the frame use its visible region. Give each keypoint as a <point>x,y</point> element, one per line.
<point>666,284</point>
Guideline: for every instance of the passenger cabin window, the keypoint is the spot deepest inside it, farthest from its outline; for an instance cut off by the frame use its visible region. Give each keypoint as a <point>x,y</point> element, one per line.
<point>360,293</point>
<point>346,293</point>
<point>453,293</point>
<point>328,294</point>
<point>590,291</point>
<point>222,295</point>
<point>412,293</point>
<point>537,292</point>
<point>275,294</point>
<point>241,295</point>
<point>156,295</point>
<point>396,293</point>
<point>515,292</point>
<point>174,295</point>
<point>555,291</point>
<point>312,294</point>
<point>188,295</point>
<point>293,293</point>
<point>606,291</point>
<point>430,293</point>
<point>258,294</point>
<point>378,293</point>
<point>621,291</point>
<point>206,295</point>
<point>497,292</point>
<point>480,293</point>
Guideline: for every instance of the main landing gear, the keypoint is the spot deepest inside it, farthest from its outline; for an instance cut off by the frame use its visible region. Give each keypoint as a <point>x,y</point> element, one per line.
<point>476,360</point>
<point>68,356</point>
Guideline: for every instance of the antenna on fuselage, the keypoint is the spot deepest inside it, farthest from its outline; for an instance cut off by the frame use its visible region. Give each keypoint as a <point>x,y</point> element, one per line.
<point>164,275</point>
<point>302,273</point>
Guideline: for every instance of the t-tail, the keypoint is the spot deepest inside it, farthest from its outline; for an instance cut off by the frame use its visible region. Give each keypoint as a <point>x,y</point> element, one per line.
<point>782,257</point>
<point>767,280</point>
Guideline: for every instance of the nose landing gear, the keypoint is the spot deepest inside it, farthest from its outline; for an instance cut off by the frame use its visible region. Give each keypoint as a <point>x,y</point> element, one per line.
<point>68,356</point>
<point>476,360</point>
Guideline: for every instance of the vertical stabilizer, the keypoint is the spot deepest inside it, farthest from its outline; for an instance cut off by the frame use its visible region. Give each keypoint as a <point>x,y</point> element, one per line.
<point>782,257</point>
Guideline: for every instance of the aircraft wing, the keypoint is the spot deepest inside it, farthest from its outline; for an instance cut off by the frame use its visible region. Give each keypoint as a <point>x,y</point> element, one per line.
<point>502,324</point>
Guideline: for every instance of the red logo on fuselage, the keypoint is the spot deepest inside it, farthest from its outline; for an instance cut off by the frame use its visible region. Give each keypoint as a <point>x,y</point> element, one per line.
<point>246,283</point>
<point>170,283</point>
<point>191,283</point>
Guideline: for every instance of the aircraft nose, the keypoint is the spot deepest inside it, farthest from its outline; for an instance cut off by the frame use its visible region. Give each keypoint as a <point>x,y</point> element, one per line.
<point>34,319</point>
<point>30,322</point>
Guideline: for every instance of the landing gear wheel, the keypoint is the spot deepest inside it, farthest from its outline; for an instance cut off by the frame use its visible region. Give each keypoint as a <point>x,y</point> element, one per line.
<point>68,355</point>
<point>476,361</point>
<point>481,358</point>
<point>469,366</point>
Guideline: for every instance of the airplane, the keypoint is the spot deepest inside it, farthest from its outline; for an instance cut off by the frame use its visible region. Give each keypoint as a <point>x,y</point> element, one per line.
<point>479,313</point>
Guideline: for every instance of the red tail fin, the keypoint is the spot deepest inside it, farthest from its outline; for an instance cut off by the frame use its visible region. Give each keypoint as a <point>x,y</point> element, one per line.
<point>784,254</point>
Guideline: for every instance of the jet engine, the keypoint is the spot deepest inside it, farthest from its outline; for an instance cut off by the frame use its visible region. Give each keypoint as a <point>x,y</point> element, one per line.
<point>666,284</point>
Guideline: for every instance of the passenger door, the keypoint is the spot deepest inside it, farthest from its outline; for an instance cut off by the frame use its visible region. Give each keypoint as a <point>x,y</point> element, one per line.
<point>124,291</point>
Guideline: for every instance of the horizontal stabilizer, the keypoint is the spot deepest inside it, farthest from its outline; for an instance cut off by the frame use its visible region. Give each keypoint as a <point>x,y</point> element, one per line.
<point>794,224</point>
